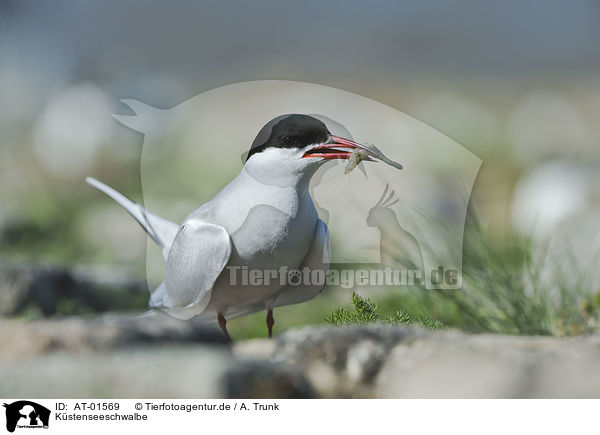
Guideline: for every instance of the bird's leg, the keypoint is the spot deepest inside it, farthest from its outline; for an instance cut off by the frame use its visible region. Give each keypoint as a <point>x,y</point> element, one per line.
<point>270,321</point>
<point>223,326</point>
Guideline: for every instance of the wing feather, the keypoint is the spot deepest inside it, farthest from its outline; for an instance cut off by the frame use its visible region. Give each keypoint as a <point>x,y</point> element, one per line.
<point>197,257</point>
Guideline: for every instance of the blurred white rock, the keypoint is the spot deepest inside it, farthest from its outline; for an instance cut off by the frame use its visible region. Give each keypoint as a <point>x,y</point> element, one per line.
<point>571,258</point>
<point>73,126</point>
<point>557,205</point>
<point>552,192</point>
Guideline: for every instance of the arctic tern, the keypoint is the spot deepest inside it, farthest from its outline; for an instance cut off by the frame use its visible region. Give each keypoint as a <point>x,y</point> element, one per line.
<point>264,219</point>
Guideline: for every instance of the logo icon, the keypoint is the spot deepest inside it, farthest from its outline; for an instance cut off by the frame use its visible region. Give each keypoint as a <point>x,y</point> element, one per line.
<point>26,414</point>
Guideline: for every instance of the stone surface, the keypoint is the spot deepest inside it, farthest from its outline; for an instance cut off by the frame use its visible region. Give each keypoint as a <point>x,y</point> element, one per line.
<point>492,366</point>
<point>53,290</point>
<point>158,356</point>
<point>21,339</point>
<point>264,379</point>
<point>340,362</point>
<point>148,371</point>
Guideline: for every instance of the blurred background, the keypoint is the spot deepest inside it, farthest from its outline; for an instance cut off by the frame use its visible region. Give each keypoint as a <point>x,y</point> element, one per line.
<point>515,82</point>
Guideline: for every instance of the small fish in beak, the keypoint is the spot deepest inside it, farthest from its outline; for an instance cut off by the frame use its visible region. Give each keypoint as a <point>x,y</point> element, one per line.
<point>369,153</point>
<point>346,149</point>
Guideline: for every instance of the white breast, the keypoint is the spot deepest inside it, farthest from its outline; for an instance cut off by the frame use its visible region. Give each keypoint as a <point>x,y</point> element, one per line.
<point>270,227</point>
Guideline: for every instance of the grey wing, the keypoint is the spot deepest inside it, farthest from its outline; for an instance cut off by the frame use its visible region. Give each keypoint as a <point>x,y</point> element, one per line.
<point>197,257</point>
<point>317,258</point>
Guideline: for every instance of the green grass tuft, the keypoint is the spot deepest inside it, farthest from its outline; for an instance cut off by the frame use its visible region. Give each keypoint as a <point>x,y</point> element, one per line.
<point>366,311</point>
<point>505,290</point>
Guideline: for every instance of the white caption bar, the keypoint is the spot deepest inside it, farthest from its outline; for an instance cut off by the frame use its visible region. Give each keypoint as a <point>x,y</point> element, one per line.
<point>160,416</point>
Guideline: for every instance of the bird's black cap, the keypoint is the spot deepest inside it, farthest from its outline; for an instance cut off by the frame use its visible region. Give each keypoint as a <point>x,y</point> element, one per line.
<point>289,131</point>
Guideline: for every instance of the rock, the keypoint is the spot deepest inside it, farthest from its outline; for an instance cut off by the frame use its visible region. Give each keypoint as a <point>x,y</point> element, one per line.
<point>556,205</point>
<point>54,290</point>
<point>389,362</point>
<point>364,361</point>
<point>455,365</point>
<point>264,380</point>
<point>23,285</point>
<point>340,362</point>
<point>100,334</point>
<point>331,344</point>
<point>14,290</point>
<point>150,371</point>
<point>112,356</point>
<point>258,348</point>
<point>159,356</point>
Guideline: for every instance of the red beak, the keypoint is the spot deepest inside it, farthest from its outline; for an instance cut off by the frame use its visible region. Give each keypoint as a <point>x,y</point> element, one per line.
<point>335,149</point>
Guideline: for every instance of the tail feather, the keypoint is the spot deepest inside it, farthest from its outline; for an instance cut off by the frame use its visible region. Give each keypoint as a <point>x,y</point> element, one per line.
<point>160,230</point>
